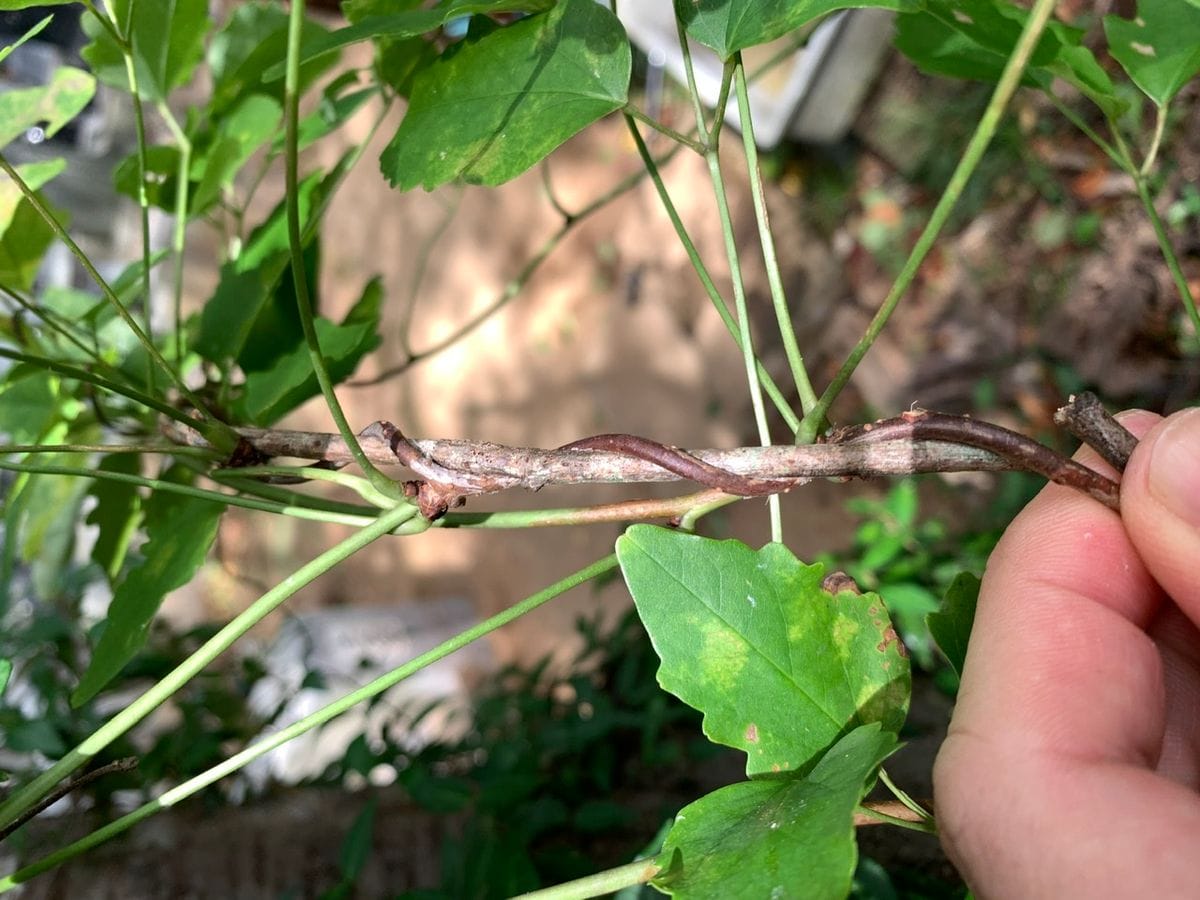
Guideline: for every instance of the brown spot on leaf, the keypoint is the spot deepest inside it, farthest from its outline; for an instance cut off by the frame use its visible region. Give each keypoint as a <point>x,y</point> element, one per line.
<point>836,582</point>
<point>890,637</point>
<point>752,733</point>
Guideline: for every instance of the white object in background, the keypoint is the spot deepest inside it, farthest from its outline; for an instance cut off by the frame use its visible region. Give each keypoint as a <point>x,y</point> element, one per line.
<point>813,96</point>
<point>348,647</point>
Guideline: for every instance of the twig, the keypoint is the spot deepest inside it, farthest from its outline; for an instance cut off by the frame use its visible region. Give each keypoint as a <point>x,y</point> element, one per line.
<point>915,442</point>
<point>121,765</point>
<point>1023,452</point>
<point>1086,418</point>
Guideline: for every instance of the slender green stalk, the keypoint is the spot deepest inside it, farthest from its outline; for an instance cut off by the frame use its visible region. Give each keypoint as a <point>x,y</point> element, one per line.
<point>1077,120</point>
<point>599,885</point>
<point>903,796</point>
<point>105,22</point>
<point>1160,229</point>
<point>1010,79</point>
<point>217,432</point>
<point>749,360</point>
<point>689,72</point>
<point>179,230</point>
<point>51,322</point>
<point>710,287</point>
<point>360,486</point>
<point>808,398</point>
<point>662,129</point>
<point>1160,124</point>
<point>100,381</point>
<point>1168,252</point>
<point>927,827</point>
<point>31,793</point>
<point>187,490</point>
<point>513,288</point>
<point>139,127</point>
<point>291,104</point>
<point>167,449</point>
<point>314,720</point>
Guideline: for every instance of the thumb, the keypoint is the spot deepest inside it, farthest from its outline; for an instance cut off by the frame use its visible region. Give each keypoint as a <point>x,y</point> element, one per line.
<point>1160,506</point>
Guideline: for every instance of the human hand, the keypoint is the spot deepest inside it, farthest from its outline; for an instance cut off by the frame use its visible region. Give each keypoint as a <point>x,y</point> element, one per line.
<point>1072,766</point>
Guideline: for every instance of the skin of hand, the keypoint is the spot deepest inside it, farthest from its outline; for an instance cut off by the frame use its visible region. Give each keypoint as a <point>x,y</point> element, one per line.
<point>1072,765</point>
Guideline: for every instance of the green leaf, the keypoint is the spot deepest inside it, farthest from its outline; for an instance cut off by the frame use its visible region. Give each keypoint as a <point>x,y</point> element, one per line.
<point>290,381</point>
<point>974,39</point>
<point>248,282</point>
<point>5,674</point>
<point>28,405</point>
<point>31,33</point>
<point>7,5</point>
<point>1160,49</point>
<point>780,668</point>
<point>179,531</point>
<point>410,23</point>
<point>728,26</point>
<point>951,625</point>
<point>253,40</point>
<point>34,175</point>
<point>356,849</point>
<point>496,104</point>
<point>117,512</point>
<point>240,132</point>
<point>51,106</point>
<point>162,169</point>
<point>167,42</point>
<point>784,839</point>
<point>23,245</point>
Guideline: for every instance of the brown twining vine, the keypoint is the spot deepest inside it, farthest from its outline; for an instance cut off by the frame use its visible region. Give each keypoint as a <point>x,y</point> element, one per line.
<point>918,441</point>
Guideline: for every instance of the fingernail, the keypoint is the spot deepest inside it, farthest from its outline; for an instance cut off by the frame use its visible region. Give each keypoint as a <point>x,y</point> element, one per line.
<point>1175,467</point>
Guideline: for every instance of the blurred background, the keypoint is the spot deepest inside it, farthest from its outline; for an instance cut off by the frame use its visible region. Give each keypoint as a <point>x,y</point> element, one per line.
<point>483,775</point>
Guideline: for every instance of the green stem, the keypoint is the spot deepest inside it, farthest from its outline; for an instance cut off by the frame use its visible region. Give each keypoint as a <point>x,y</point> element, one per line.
<point>662,129</point>
<point>1160,123</point>
<point>69,371</point>
<point>360,486</point>
<point>928,827</point>
<point>139,127</point>
<point>689,71</point>
<point>749,360</point>
<point>1125,160</point>
<point>710,287</point>
<point>808,397</point>
<point>314,720</point>
<point>599,885</point>
<point>50,320</point>
<point>815,418</point>
<point>218,433</point>
<point>166,449</point>
<point>186,490</point>
<point>31,793</point>
<point>179,231</point>
<point>1077,120</point>
<point>903,796</point>
<point>378,480</point>
<point>513,288</point>
<point>105,22</point>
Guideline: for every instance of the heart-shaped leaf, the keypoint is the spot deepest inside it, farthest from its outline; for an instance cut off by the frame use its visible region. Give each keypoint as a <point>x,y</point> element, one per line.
<point>497,103</point>
<point>780,667</point>
<point>789,839</point>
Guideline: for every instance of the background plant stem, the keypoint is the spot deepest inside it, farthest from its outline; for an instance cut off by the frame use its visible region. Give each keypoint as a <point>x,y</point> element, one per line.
<point>31,793</point>
<point>309,722</point>
<point>291,106</point>
<point>815,418</point>
<point>783,316</point>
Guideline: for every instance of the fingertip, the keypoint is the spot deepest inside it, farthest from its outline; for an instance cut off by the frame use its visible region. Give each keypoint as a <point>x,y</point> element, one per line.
<point>1160,505</point>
